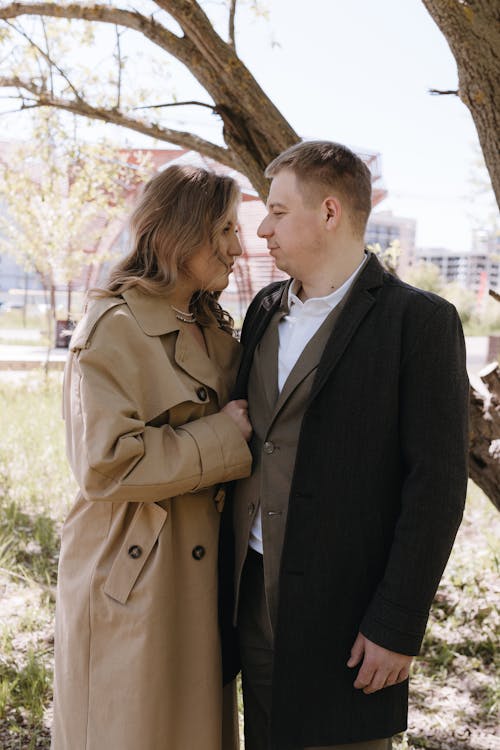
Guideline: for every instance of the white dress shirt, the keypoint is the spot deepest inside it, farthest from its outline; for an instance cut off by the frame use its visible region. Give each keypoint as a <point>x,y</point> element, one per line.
<point>295,331</point>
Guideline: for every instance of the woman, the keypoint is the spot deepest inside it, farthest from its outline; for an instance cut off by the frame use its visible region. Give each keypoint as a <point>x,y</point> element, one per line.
<point>150,436</point>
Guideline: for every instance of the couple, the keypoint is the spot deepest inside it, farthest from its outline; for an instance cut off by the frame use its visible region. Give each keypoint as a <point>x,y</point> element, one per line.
<point>346,426</point>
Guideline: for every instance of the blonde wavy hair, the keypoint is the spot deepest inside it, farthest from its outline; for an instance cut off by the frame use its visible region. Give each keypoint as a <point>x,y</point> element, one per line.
<point>180,209</point>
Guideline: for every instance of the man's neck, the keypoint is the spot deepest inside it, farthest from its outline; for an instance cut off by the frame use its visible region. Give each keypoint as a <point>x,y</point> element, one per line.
<point>324,280</point>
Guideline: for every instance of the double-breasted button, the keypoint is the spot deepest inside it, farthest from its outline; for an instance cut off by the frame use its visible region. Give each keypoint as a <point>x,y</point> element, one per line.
<point>268,447</point>
<point>135,551</point>
<point>198,552</point>
<point>202,394</point>
<point>251,508</point>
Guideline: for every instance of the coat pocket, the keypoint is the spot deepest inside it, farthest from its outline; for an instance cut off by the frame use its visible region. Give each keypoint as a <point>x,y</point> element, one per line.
<point>139,540</point>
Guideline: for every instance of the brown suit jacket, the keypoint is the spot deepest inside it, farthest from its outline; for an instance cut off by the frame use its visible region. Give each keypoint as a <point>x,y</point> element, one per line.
<point>276,419</point>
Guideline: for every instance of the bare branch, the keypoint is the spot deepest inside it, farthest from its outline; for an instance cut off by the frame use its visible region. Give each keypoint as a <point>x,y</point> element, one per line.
<point>46,57</point>
<point>43,98</point>
<point>176,104</point>
<point>438,92</point>
<point>154,31</point>
<point>22,108</point>
<point>232,13</point>
<point>47,47</point>
<point>119,64</point>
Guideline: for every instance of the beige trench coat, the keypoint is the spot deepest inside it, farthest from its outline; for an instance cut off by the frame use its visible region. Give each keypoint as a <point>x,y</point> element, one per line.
<point>138,662</point>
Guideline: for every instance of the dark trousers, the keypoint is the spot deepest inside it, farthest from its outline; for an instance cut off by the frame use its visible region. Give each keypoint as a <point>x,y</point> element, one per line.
<point>256,645</point>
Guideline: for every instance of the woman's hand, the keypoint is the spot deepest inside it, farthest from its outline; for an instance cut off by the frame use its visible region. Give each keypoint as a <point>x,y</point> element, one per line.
<point>238,411</point>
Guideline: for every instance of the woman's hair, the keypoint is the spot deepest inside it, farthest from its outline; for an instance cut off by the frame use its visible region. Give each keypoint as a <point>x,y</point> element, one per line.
<point>180,210</point>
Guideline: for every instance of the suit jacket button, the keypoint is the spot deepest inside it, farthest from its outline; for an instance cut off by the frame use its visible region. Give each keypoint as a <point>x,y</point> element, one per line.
<point>198,552</point>
<point>135,551</point>
<point>268,447</point>
<point>202,394</point>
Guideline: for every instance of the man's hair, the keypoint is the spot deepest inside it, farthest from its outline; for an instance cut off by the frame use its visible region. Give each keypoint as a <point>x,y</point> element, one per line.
<point>324,167</point>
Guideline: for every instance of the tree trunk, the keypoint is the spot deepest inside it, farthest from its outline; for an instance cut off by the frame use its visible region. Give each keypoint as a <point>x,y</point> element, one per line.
<point>484,455</point>
<point>472,30</point>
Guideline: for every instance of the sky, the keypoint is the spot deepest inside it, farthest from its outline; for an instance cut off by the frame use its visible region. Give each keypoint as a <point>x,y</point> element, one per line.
<point>357,72</point>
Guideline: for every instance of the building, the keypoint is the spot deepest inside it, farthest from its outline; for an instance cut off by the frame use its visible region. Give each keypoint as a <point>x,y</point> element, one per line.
<point>383,228</point>
<point>255,268</point>
<point>472,270</point>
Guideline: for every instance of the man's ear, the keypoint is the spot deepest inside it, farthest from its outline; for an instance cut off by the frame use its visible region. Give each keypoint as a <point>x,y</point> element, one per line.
<point>332,211</point>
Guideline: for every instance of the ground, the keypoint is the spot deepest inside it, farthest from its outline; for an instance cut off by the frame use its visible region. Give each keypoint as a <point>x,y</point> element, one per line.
<point>454,695</point>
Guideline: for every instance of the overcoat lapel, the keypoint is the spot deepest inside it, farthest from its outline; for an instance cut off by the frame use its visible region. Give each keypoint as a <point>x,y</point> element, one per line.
<point>358,305</point>
<point>266,360</point>
<point>269,305</point>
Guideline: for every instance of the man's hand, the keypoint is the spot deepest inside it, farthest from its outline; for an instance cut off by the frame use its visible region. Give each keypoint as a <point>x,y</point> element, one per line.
<point>380,668</point>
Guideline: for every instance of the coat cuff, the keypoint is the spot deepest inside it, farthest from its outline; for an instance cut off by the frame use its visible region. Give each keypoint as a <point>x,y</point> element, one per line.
<point>393,627</point>
<point>220,444</point>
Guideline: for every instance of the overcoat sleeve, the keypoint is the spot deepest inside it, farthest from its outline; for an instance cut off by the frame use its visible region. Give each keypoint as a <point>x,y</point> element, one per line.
<point>434,448</point>
<point>115,455</point>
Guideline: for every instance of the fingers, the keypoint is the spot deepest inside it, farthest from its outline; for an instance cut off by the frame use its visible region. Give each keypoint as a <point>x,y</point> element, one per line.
<point>404,674</point>
<point>380,668</point>
<point>357,651</point>
<point>241,402</point>
<point>371,679</point>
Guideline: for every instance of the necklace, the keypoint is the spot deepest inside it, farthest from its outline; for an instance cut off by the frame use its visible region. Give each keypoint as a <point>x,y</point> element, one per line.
<point>186,317</point>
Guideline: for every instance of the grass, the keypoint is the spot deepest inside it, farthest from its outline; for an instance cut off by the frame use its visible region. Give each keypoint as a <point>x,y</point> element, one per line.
<point>454,695</point>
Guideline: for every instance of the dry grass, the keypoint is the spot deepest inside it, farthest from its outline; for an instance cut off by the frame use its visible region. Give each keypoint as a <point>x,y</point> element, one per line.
<point>454,692</point>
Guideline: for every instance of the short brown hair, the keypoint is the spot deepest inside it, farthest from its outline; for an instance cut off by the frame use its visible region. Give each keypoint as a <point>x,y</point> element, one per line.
<point>322,166</point>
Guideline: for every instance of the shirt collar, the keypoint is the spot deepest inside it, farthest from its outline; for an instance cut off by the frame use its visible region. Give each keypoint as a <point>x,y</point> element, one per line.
<point>329,301</point>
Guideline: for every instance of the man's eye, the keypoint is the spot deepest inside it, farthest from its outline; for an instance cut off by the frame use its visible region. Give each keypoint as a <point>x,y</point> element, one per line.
<point>278,213</point>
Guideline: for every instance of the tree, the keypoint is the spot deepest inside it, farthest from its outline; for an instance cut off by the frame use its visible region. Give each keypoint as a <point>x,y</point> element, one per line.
<point>472,30</point>
<point>65,202</point>
<point>425,276</point>
<point>253,129</point>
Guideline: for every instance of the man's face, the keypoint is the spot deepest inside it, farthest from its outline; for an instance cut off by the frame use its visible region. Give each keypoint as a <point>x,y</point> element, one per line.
<point>294,232</point>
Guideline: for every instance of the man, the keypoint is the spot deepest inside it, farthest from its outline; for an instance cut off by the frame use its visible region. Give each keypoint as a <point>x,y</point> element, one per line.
<point>358,395</point>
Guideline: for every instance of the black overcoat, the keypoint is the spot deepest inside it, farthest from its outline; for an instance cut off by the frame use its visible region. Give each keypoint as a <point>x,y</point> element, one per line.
<point>376,499</point>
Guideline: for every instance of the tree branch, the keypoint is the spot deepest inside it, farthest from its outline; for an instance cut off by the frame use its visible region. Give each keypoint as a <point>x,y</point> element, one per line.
<point>47,58</point>
<point>443,93</point>
<point>48,53</point>
<point>154,31</point>
<point>232,14</point>
<point>119,64</point>
<point>176,104</point>
<point>43,98</point>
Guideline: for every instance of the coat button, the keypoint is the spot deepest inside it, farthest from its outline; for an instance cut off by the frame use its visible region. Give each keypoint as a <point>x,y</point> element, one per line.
<point>198,552</point>
<point>135,551</point>
<point>202,394</point>
<point>268,447</point>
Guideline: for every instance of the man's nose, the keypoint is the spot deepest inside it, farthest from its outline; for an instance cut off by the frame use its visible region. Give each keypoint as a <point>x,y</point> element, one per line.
<point>264,229</point>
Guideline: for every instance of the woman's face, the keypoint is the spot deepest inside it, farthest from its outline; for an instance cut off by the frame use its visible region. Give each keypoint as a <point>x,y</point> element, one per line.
<point>210,266</point>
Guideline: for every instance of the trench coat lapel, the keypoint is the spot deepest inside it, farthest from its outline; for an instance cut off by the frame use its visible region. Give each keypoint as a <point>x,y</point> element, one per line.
<point>156,318</point>
<point>360,301</point>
